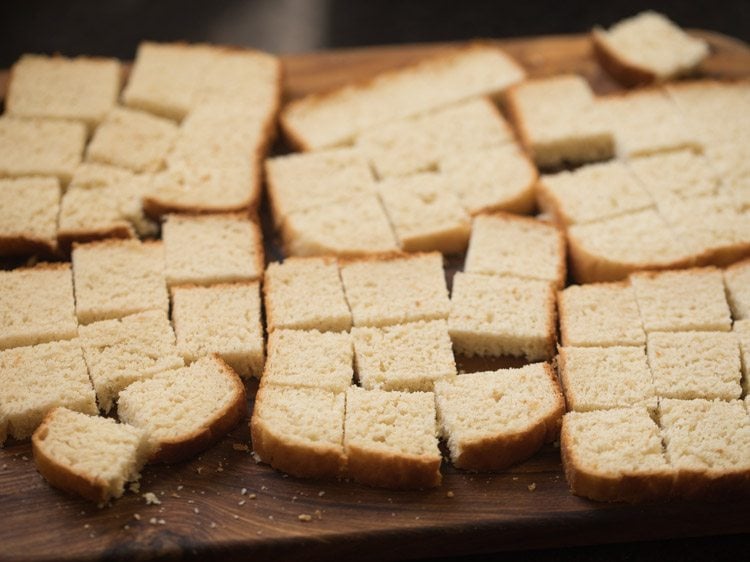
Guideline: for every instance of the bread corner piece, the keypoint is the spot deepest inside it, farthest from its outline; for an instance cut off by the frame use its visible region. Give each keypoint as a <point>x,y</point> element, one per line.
<point>28,216</point>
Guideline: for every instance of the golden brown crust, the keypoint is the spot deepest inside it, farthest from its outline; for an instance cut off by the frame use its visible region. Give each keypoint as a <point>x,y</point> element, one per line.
<point>67,238</point>
<point>21,245</point>
<point>625,72</point>
<point>395,471</point>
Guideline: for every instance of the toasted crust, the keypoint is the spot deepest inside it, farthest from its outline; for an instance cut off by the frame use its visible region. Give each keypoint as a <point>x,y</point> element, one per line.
<point>401,471</point>
<point>21,245</point>
<point>622,70</point>
<point>67,238</point>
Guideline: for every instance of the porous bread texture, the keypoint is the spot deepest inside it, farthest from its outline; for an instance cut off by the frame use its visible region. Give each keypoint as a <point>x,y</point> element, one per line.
<point>737,284</point>
<point>410,357</point>
<point>614,455</point>
<point>390,438</point>
<point>495,316</point>
<point>115,278</point>
<point>40,147</point>
<point>121,351</point>
<point>300,431</point>
<point>741,329</point>
<point>186,410</point>
<point>91,456</point>
<point>732,162</point>
<point>35,379</point>
<point>691,365</point>
<point>677,175</point>
<point>309,359</point>
<point>503,244</point>
<point>600,315</point>
<point>28,215</point>
<point>81,88</point>
<point>674,301</point>
<point>396,289</point>
<point>492,420</point>
<point>36,305</point>
<point>602,378</point>
<point>337,117</point>
<point>305,294</point>
<point>222,319</point>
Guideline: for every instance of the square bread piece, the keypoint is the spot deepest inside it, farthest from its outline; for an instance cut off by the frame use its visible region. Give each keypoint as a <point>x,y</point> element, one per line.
<point>675,301</point>
<point>300,431</point>
<point>492,420</point>
<point>309,359</point>
<point>731,160</point>
<point>737,283</point>
<point>600,315</point>
<point>503,244</point>
<point>495,316</point>
<point>601,378</point>
<point>115,278</point>
<point>426,215</point>
<point>690,365</point>
<point>208,249</point>
<point>678,175</point>
<point>37,305</point>
<point>82,89</point>
<point>741,329</point>
<point>223,319</point>
<point>396,289</point>
<point>39,147</point>
<point>123,350</point>
<point>409,357</point>
<point>28,215</point>
<point>35,379</point>
<point>305,294</point>
<point>614,455</point>
<point>390,438</point>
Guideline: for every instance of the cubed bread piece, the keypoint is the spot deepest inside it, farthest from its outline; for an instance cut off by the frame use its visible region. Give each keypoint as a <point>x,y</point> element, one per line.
<point>600,315</point>
<point>732,162</point>
<point>121,351</point>
<point>390,438</point>
<point>82,88</point>
<point>115,278</point>
<point>305,294</point>
<point>300,431</point>
<point>36,305</point>
<point>35,379</point>
<point>426,215</point>
<point>680,175</point>
<point>28,215</point>
<point>492,420</point>
<point>309,359</point>
<point>615,455</point>
<point>409,357</point>
<point>91,456</point>
<point>495,316</point>
<point>602,378</point>
<point>741,329</point>
<point>396,289</point>
<point>737,283</point>
<point>186,410</point>
<point>677,301</point>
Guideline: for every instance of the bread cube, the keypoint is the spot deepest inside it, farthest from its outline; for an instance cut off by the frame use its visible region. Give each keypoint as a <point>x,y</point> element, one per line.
<point>28,215</point>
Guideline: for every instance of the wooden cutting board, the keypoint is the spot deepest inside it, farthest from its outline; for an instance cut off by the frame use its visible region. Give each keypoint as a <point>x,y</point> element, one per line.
<point>204,512</point>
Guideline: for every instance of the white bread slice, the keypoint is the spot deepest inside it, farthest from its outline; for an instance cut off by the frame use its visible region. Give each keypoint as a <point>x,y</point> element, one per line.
<point>681,174</point>
<point>741,329</point>
<point>91,456</point>
<point>731,160</point>
<point>28,215</point>
<point>737,284</point>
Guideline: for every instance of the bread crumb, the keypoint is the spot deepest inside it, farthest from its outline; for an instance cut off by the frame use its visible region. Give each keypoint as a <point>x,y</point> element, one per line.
<point>241,502</point>
<point>213,525</point>
<point>151,498</point>
<point>515,478</point>
<point>294,498</point>
<point>137,516</point>
<point>449,494</point>
<point>152,520</point>
<point>180,487</point>
<point>162,522</point>
<point>243,491</point>
<point>240,447</point>
<point>270,517</point>
<point>318,514</point>
<point>256,457</point>
<point>24,458</point>
<point>251,496</point>
<point>532,486</point>
<point>304,517</point>
<point>86,526</point>
<point>235,516</point>
<point>321,493</point>
<point>196,510</point>
<point>199,469</point>
<point>126,527</point>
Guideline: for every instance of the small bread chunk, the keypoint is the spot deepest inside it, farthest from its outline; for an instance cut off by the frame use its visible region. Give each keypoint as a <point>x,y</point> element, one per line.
<point>680,175</point>
<point>503,244</point>
<point>82,89</point>
<point>121,351</point>
<point>396,289</point>
<point>91,456</point>
<point>495,316</point>
<point>647,48</point>
<point>115,278</point>
<point>601,378</point>
<point>737,282</point>
<point>28,215</point>
<point>614,455</point>
<point>741,329</point>
<point>409,357</point>
<point>36,305</point>
<point>390,438</point>
<point>305,294</point>
<point>300,431</point>
<point>708,444</point>
<point>600,315</point>
<point>38,147</point>
<point>690,365</point>
<point>677,301</point>
<point>310,359</point>
<point>732,162</point>
<point>425,214</point>
<point>35,379</point>
<point>186,410</point>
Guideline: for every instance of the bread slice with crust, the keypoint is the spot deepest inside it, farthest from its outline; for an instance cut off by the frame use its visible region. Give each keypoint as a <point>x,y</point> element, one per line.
<point>737,283</point>
<point>28,215</point>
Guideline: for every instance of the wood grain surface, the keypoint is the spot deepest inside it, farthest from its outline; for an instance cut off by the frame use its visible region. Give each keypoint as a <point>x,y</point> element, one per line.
<point>203,512</point>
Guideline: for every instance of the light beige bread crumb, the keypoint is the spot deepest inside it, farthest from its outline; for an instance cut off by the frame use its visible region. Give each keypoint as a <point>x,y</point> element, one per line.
<point>28,215</point>
<point>741,329</point>
<point>737,283</point>
<point>91,456</point>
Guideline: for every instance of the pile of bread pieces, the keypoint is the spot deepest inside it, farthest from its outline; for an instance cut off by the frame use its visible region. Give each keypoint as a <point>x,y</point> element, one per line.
<point>133,343</point>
